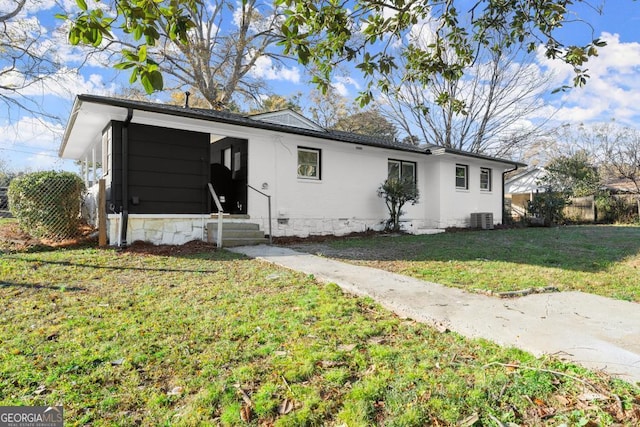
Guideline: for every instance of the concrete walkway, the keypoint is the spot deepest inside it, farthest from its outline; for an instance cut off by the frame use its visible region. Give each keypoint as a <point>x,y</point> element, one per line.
<point>596,332</point>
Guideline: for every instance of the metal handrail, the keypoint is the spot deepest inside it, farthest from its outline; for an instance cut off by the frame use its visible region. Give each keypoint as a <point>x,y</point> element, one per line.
<point>269,208</point>
<point>220,214</point>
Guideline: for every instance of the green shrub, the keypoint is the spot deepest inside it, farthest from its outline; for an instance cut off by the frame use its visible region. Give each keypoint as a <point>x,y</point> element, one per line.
<point>47,204</point>
<point>546,208</point>
<point>396,193</point>
<point>612,209</point>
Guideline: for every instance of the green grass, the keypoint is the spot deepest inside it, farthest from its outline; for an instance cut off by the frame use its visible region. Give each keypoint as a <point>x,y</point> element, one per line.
<point>122,339</point>
<point>603,260</point>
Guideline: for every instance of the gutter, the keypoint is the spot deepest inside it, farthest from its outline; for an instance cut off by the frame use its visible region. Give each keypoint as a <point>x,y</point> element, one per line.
<point>503,183</point>
<point>125,178</point>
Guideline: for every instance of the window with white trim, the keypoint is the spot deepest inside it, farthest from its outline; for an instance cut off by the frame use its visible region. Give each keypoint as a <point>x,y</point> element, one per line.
<point>485,179</point>
<point>106,152</point>
<point>309,163</point>
<point>401,170</point>
<point>462,173</point>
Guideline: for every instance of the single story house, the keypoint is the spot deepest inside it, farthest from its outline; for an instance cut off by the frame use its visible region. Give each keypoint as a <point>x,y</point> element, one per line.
<point>278,170</point>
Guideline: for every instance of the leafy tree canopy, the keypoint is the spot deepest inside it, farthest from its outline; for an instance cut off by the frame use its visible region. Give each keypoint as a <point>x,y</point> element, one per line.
<point>145,20</point>
<point>574,174</point>
<point>277,102</point>
<point>325,33</point>
<point>368,122</point>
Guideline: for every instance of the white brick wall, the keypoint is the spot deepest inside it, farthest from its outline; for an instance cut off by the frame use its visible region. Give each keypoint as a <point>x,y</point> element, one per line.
<point>159,229</point>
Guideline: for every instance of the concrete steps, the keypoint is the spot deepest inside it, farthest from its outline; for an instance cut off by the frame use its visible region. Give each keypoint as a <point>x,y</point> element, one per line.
<point>236,234</point>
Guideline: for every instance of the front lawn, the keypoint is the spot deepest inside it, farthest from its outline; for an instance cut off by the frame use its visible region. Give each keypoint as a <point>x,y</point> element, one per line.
<point>603,260</point>
<point>211,338</point>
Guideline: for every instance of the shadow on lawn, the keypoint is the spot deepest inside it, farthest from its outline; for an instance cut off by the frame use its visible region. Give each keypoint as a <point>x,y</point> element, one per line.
<point>579,248</point>
<point>39,286</point>
<point>37,262</point>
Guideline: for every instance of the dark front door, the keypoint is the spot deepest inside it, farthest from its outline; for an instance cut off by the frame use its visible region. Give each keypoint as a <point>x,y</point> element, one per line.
<point>229,174</point>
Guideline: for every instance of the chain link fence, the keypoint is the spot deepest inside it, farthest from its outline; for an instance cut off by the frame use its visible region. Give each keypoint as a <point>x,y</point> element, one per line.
<point>4,203</point>
<point>47,205</point>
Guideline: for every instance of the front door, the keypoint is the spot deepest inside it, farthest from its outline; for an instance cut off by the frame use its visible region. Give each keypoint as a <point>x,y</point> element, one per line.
<point>229,174</point>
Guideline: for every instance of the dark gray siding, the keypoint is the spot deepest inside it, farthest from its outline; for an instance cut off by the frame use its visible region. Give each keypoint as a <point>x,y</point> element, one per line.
<point>168,170</point>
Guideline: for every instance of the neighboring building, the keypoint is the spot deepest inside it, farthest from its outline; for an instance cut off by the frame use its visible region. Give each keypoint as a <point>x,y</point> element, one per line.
<point>157,161</point>
<point>520,189</point>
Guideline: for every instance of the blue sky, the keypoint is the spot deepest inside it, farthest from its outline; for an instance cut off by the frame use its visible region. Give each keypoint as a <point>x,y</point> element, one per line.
<point>29,142</point>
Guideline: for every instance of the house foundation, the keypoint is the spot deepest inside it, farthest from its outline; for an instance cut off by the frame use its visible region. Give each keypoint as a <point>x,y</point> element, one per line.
<point>159,229</point>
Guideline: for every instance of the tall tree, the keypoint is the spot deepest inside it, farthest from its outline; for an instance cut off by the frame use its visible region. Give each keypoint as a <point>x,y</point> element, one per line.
<point>573,174</point>
<point>328,108</point>
<point>326,34</point>
<point>209,45</point>
<point>277,102</point>
<point>482,112</point>
<point>613,148</point>
<point>368,122</point>
<point>195,100</point>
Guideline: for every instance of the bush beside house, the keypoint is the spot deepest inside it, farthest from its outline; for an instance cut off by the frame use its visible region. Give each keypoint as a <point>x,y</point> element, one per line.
<point>47,204</point>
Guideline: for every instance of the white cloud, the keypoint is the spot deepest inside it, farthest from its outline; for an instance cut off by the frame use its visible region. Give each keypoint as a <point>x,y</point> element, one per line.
<point>30,7</point>
<point>265,69</point>
<point>341,88</point>
<point>31,144</point>
<point>341,83</point>
<point>611,91</point>
<point>30,132</point>
<point>63,83</point>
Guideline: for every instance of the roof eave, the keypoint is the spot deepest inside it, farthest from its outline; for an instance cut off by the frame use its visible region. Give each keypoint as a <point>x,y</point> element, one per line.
<point>70,124</point>
<point>483,157</point>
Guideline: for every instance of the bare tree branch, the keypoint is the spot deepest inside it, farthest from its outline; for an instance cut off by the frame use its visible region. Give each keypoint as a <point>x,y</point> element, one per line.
<point>24,63</point>
<point>4,17</point>
<point>218,59</point>
<point>498,93</point>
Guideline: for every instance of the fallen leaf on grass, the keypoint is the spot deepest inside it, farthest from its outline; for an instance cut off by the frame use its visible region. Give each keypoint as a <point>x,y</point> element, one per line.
<point>377,340</point>
<point>117,362</point>
<point>562,400</point>
<point>371,370</point>
<point>346,347</point>
<point>330,364</point>
<point>501,424</point>
<point>589,396</point>
<point>245,413</point>
<point>41,389</point>
<point>469,421</point>
<point>176,391</point>
<point>244,395</point>
<point>285,407</point>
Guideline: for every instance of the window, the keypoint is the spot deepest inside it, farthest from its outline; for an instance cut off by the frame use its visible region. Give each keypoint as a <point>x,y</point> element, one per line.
<point>106,153</point>
<point>308,163</point>
<point>226,158</point>
<point>485,179</point>
<point>461,177</point>
<point>402,170</point>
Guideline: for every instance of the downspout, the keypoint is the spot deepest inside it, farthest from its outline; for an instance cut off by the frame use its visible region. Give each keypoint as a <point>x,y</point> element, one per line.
<point>503,193</point>
<point>125,178</point>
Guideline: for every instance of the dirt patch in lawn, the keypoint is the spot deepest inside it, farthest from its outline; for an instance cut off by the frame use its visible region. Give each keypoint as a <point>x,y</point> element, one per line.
<point>189,248</point>
<point>14,239</point>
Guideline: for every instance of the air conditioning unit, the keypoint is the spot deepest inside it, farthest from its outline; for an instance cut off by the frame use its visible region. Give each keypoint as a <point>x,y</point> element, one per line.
<point>482,220</point>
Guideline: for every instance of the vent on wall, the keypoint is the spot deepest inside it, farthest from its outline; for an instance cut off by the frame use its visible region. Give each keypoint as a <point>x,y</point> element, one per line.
<point>482,220</point>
